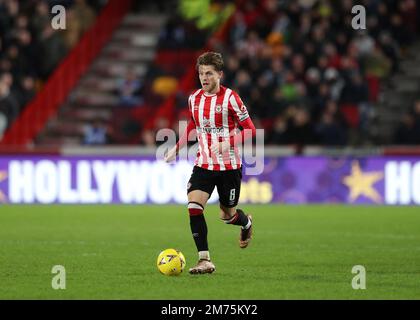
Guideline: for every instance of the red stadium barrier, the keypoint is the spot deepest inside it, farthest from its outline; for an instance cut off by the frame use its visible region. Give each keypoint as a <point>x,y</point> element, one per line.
<point>55,91</point>
<point>407,151</point>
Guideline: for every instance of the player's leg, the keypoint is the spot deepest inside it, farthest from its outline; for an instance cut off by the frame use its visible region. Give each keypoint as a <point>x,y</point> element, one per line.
<point>229,187</point>
<point>197,200</point>
<point>238,217</point>
<point>200,187</point>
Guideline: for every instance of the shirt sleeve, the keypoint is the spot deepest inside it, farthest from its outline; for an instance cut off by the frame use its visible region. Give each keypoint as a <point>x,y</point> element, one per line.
<point>241,114</point>
<point>239,109</point>
<point>248,131</point>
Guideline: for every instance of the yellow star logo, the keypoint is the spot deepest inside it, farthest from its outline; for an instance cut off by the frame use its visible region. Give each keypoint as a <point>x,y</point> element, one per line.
<point>3,176</point>
<point>361,183</point>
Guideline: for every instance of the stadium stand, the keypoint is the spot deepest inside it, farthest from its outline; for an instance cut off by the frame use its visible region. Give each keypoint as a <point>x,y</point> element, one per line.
<point>107,100</point>
<point>27,129</point>
<point>309,78</point>
<point>30,49</point>
<point>306,76</point>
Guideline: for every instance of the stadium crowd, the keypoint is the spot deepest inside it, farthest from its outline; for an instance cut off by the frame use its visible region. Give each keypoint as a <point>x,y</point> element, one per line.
<point>306,75</point>
<point>30,48</point>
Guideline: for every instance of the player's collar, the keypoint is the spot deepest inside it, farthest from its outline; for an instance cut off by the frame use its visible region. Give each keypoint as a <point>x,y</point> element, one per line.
<point>208,94</point>
<point>212,94</point>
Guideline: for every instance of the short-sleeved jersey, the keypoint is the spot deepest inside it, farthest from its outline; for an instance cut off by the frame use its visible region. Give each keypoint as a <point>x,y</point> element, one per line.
<point>216,118</point>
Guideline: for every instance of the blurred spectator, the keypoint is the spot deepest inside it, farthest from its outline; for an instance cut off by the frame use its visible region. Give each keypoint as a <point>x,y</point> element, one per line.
<point>252,46</point>
<point>129,90</point>
<point>399,29</point>
<point>40,19</point>
<point>179,33</point>
<point>9,107</point>
<point>279,133</point>
<point>238,31</point>
<point>84,14</point>
<point>174,33</point>
<point>289,88</point>
<point>95,133</point>
<point>355,91</point>
<point>390,49</point>
<point>52,50</point>
<point>378,64</point>
<point>300,128</point>
<point>406,131</point>
<point>3,124</point>
<point>364,43</point>
<point>27,90</point>
<point>73,29</point>
<point>416,113</point>
<point>331,130</point>
<point>148,138</point>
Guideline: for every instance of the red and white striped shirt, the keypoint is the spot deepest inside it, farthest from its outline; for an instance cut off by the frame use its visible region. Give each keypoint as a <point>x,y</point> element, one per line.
<point>216,118</point>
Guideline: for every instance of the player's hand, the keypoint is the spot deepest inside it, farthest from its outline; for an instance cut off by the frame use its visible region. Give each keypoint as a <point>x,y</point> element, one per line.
<point>170,155</point>
<point>220,147</point>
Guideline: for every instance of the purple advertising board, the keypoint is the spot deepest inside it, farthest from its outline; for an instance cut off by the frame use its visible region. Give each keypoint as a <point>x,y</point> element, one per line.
<point>136,180</point>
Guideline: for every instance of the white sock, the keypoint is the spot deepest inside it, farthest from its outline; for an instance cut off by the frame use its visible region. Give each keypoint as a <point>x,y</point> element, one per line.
<point>247,225</point>
<point>204,255</point>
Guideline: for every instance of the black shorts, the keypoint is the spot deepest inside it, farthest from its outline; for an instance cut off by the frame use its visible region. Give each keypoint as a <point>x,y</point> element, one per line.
<point>228,184</point>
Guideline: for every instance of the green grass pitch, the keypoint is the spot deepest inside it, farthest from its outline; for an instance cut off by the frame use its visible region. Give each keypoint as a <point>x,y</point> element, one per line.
<point>298,252</point>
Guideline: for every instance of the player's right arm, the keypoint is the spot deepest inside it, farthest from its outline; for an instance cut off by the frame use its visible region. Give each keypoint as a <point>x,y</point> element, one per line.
<point>183,140</point>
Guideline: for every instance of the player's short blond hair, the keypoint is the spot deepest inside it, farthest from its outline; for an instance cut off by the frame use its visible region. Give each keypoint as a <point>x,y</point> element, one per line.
<point>211,59</point>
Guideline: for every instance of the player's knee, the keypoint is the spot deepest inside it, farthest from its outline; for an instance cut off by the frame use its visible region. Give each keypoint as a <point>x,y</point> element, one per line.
<point>195,208</point>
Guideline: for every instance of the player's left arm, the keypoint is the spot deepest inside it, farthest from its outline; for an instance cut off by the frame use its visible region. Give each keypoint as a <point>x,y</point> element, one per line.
<point>241,115</point>
<point>248,131</point>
